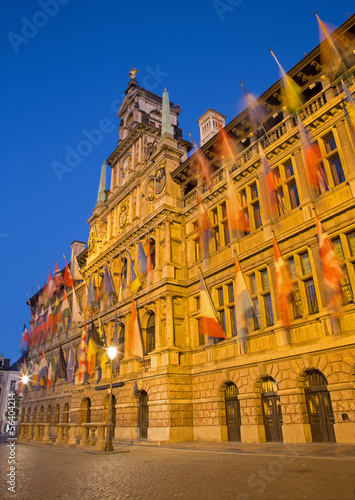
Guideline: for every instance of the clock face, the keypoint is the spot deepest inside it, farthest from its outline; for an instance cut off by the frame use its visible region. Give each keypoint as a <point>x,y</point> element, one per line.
<point>159,180</point>
<point>149,190</point>
<point>123,216</point>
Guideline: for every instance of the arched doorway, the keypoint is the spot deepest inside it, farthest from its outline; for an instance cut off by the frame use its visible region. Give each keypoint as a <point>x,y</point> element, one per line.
<point>232,412</point>
<point>85,411</point>
<point>143,415</point>
<point>319,407</point>
<point>272,415</point>
<point>65,416</point>
<point>49,414</point>
<point>41,415</point>
<point>105,411</point>
<point>56,415</point>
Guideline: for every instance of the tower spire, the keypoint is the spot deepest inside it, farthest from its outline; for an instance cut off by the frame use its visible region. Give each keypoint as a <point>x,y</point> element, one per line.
<point>102,186</point>
<point>166,118</point>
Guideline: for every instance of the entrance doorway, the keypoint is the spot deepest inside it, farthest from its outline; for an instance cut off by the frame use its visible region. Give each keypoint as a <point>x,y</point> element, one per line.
<point>232,412</point>
<point>319,407</point>
<point>272,414</point>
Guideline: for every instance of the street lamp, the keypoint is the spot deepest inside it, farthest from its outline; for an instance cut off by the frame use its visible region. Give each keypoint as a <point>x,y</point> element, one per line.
<point>24,379</point>
<point>112,353</point>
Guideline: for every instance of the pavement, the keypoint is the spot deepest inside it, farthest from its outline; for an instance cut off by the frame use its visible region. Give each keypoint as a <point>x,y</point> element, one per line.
<point>142,470</point>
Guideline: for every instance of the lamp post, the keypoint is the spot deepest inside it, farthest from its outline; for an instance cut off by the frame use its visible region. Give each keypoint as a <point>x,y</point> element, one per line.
<point>25,379</point>
<point>112,353</point>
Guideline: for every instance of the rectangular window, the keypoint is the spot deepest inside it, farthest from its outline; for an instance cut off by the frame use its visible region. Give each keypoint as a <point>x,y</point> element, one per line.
<point>331,163</point>
<point>257,321</point>
<point>351,242</point>
<point>292,268</point>
<point>293,193</point>
<point>252,281</point>
<point>12,385</point>
<point>305,263</point>
<point>265,279</point>
<point>269,315</point>
<point>257,215</point>
<point>311,296</point>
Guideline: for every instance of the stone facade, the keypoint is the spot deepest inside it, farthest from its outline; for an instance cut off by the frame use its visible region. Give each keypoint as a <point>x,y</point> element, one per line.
<point>275,384</point>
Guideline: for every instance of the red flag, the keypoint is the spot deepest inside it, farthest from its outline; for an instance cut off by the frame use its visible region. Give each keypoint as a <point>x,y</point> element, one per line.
<point>204,224</point>
<point>50,321</point>
<point>51,288</point>
<point>236,218</point>
<point>208,323</point>
<point>202,165</point>
<point>57,276</point>
<point>135,345</point>
<point>243,302</point>
<point>283,286</point>
<point>312,160</point>
<point>83,371</point>
<point>68,280</point>
<point>274,198</point>
<point>332,272</point>
<point>25,337</point>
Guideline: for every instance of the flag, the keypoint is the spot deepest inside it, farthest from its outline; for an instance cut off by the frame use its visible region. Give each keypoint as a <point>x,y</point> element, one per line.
<point>75,269</point>
<point>107,290</point>
<point>274,198</point>
<point>50,321</point>
<point>135,345</point>
<point>256,111</point>
<point>51,372</point>
<point>203,166</point>
<point>57,276</point>
<point>208,322</point>
<point>349,107</point>
<point>42,371</point>
<point>82,372</point>
<point>225,145</point>
<point>97,286</point>
<point>35,370</point>
<point>65,310</point>
<point>312,158</point>
<point>122,275</point>
<point>102,333</point>
<point>237,221</point>
<point>330,51</point>
<point>62,367</point>
<point>291,92</point>
<point>76,314</point>
<point>243,302</point>
<point>25,337</point>
<point>332,272</point>
<point>142,259</point>
<point>149,259</point>
<point>283,286</point>
<point>90,300</point>
<point>71,364</point>
<point>56,314</point>
<point>135,281</point>
<point>204,225</point>
<point>93,347</point>
<point>51,288</point>
<point>41,325</point>
<point>68,280</point>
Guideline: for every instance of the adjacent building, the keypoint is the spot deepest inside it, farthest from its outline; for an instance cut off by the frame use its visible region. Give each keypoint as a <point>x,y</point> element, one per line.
<point>294,385</point>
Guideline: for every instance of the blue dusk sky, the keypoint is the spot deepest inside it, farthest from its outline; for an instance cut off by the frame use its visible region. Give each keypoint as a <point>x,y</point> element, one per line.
<point>65,67</point>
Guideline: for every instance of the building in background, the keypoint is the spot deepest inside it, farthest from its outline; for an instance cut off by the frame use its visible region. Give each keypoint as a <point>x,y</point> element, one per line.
<point>268,380</point>
<point>9,379</point>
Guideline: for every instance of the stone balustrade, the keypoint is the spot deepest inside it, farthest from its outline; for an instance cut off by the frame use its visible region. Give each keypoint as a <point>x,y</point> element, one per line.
<point>93,434</point>
<point>66,434</point>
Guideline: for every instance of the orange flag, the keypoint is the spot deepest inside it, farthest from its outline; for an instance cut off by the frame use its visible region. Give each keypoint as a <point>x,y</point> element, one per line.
<point>332,272</point>
<point>283,286</point>
<point>208,323</point>
<point>135,345</point>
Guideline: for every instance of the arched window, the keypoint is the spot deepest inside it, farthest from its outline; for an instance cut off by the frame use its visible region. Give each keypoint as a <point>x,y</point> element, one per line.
<point>85,411</point>
<point>28,419</point>
<point>120,346</point>
<point>150,334</point>
<point>319,407</point>
<point>152,251</point>
<point>34,416</point>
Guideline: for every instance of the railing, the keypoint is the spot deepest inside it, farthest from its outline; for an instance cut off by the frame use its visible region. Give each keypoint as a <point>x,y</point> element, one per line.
<point>93,434</point>
<point>66,434</point>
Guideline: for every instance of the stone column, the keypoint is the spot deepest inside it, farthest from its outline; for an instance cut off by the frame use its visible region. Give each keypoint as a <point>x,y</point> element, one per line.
<point>59,438</point>
<point>46,438</point>
<point>167,242</point>
<point>158,339</point>
<point>29,431</point>
<point>100,444</point>
<point>84,441</point>
<point>72,434</point>
<point>36,432</point>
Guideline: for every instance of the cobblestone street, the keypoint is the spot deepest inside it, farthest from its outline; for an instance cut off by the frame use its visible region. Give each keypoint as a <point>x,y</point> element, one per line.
<point>186,471</point>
